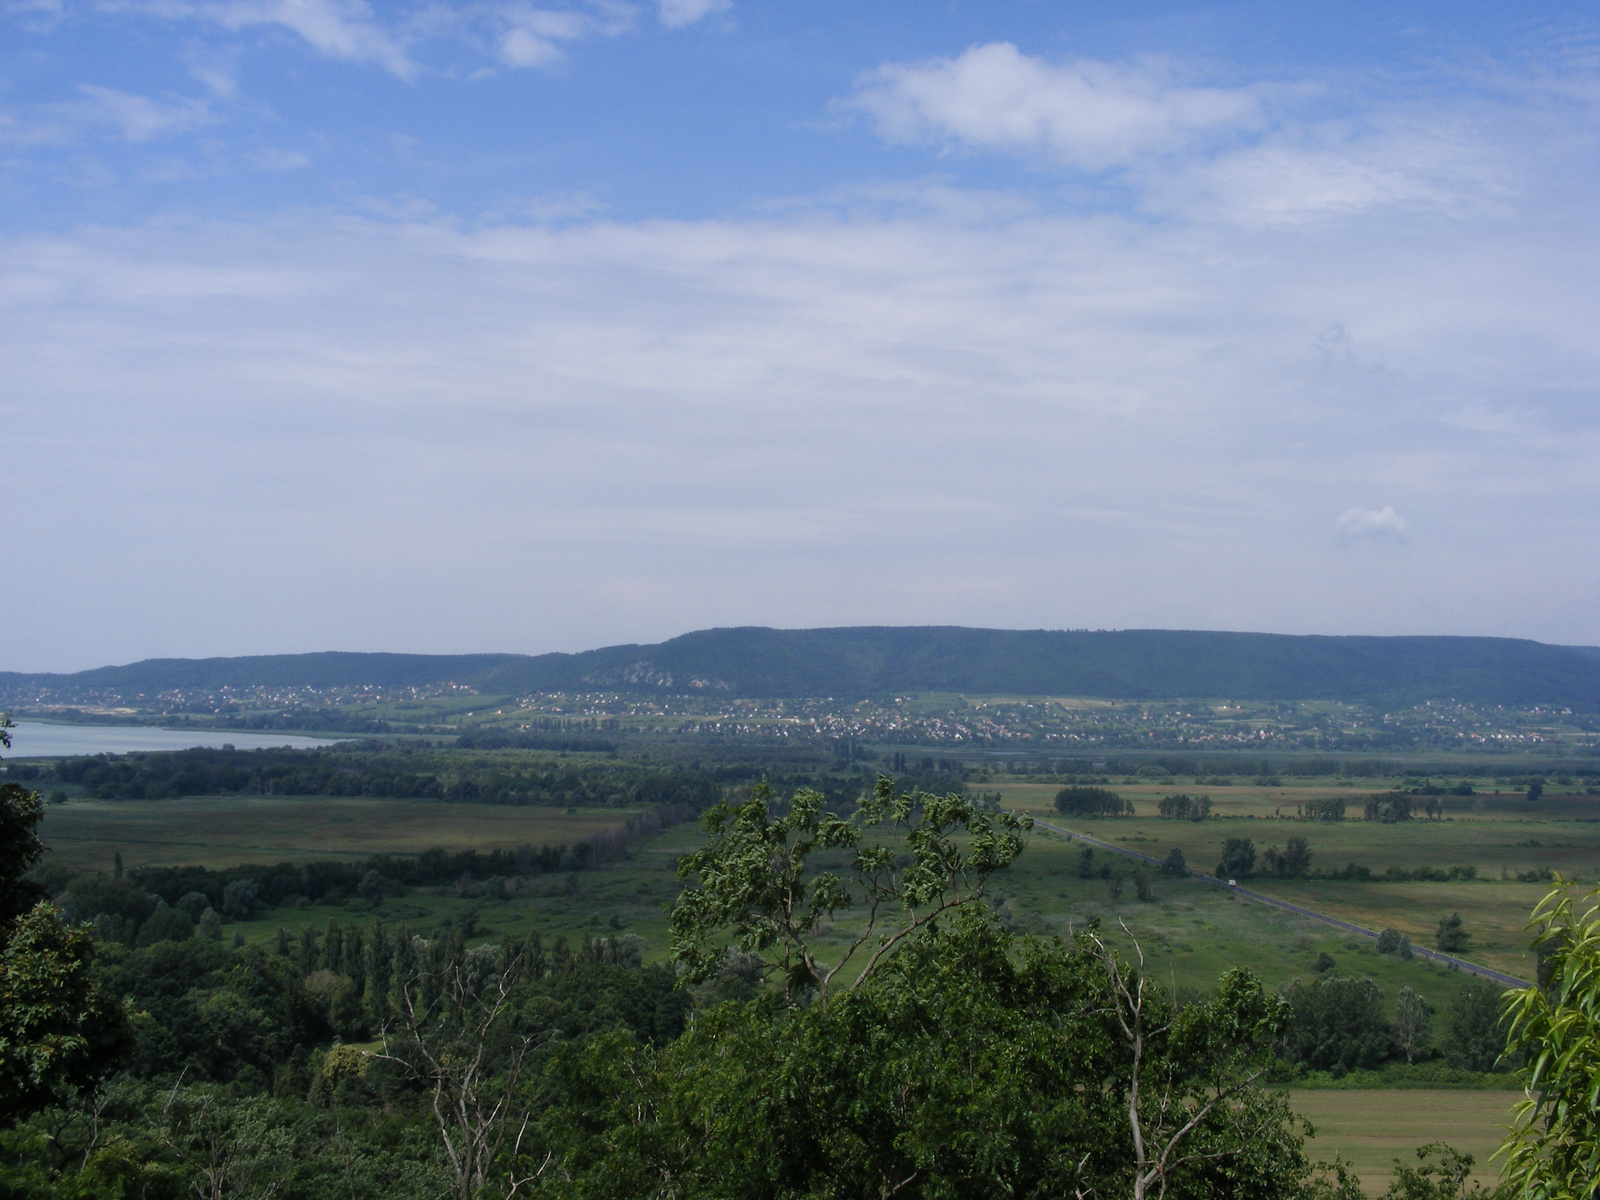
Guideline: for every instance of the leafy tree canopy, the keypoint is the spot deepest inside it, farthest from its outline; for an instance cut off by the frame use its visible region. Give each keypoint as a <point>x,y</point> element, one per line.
<point>1553,1151</point>
<point>974,1063</point>
<point>909,858</point>
<point>57,1031</point>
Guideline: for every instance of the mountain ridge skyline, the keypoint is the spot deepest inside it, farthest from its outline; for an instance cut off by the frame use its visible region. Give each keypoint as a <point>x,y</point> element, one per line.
<point>845,661</point>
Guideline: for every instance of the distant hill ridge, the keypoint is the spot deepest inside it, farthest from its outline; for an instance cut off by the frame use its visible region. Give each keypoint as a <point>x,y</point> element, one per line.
<point>877,661</point>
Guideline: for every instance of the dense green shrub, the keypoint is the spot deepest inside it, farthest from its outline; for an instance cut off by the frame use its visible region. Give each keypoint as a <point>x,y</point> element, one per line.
<point>1338,1024</point>
<point>1092,802</point>
<point>1238,859</point>
<point>1389,807</point>
<point>1183,807</point>
<point>1473,1035</point>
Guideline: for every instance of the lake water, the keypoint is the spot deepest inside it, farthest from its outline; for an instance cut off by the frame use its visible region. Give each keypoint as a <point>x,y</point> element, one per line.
<point>37,739</point>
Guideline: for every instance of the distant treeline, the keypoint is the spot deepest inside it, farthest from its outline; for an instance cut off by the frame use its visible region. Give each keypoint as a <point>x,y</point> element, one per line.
<point>386,772</point>
<point>325,720</point>
<point>1250,768</point>
<point>500,739</point>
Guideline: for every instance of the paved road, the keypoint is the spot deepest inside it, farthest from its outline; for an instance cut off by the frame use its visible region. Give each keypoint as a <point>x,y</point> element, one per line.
<point>1449,960</point>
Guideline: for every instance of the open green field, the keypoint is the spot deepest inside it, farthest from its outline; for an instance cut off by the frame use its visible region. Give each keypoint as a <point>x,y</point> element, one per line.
<point>1370,1129</point>
<point>1499,836</point>
<point>1494,834</point>
<point>224,831</point>
<point>628,897</point>
<point>1190,932</point>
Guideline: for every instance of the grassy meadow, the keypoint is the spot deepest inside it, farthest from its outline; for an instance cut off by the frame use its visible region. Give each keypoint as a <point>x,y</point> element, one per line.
<point>220,831</point>
<point>1369,1129</point>
<point>1499,836</point>
<point>1192,930</point>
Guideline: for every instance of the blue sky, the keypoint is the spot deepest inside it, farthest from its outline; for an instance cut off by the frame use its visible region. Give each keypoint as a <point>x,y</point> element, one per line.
<point>524,326</point>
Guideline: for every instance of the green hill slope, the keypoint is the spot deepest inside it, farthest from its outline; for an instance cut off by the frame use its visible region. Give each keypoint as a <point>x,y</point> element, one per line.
<point>875,661</point>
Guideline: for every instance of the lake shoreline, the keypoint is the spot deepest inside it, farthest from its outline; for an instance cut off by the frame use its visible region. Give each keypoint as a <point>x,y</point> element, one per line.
<point>33,738</point>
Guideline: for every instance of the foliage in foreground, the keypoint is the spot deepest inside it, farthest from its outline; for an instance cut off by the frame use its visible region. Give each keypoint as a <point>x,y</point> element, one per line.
<point>1553,1151</point>
<point>58,1031</point>
<point>958,1059</point>
<point>974,1064</point>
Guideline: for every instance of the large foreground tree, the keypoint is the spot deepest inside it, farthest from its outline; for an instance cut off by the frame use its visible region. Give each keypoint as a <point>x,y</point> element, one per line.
<point>57,1031</point>
<point>949,1059</point>
<point>973,1065</point>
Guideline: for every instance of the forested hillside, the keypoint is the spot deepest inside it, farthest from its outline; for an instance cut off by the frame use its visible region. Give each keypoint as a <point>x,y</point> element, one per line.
<point>856,663</point>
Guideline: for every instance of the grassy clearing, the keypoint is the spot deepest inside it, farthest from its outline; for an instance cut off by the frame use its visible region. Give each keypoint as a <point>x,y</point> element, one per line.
<point>1370,1129</point>
<point>224,831</point>
<point>1497,836</point>
<point>1192,932</point>
<point>1496,914</point>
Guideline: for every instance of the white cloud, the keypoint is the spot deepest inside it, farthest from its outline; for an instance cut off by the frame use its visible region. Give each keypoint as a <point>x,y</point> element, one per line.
<point>219,78</point>
<point>1091,115</point>
<point>1315,170</point>
<point>137,118</point>
<point>535,36</point>
<point>343,29</point>
<point>522,34</point>
<point>518,34</point>
<point>677,13</point>
<point>1254,155</point>
<point>338,28</point>
<point>1381,524</point>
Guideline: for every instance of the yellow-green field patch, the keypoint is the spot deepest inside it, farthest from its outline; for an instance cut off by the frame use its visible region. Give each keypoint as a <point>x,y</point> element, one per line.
<point>1494,914</point>
<point>1370,1129</point>
<point>1497,837</point>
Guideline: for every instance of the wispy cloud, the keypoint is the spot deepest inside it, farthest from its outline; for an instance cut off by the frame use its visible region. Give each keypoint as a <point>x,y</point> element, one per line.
<point>521,34</point>
<point>1257,154</point>
<point>343,29</point>
<point>1372,524</point>
<point>677,13</point>
<point>535,37</point>
<point>1305,171</point>
<point>136,118</point>
<point>37,16</point>
<point>1091,115</point>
